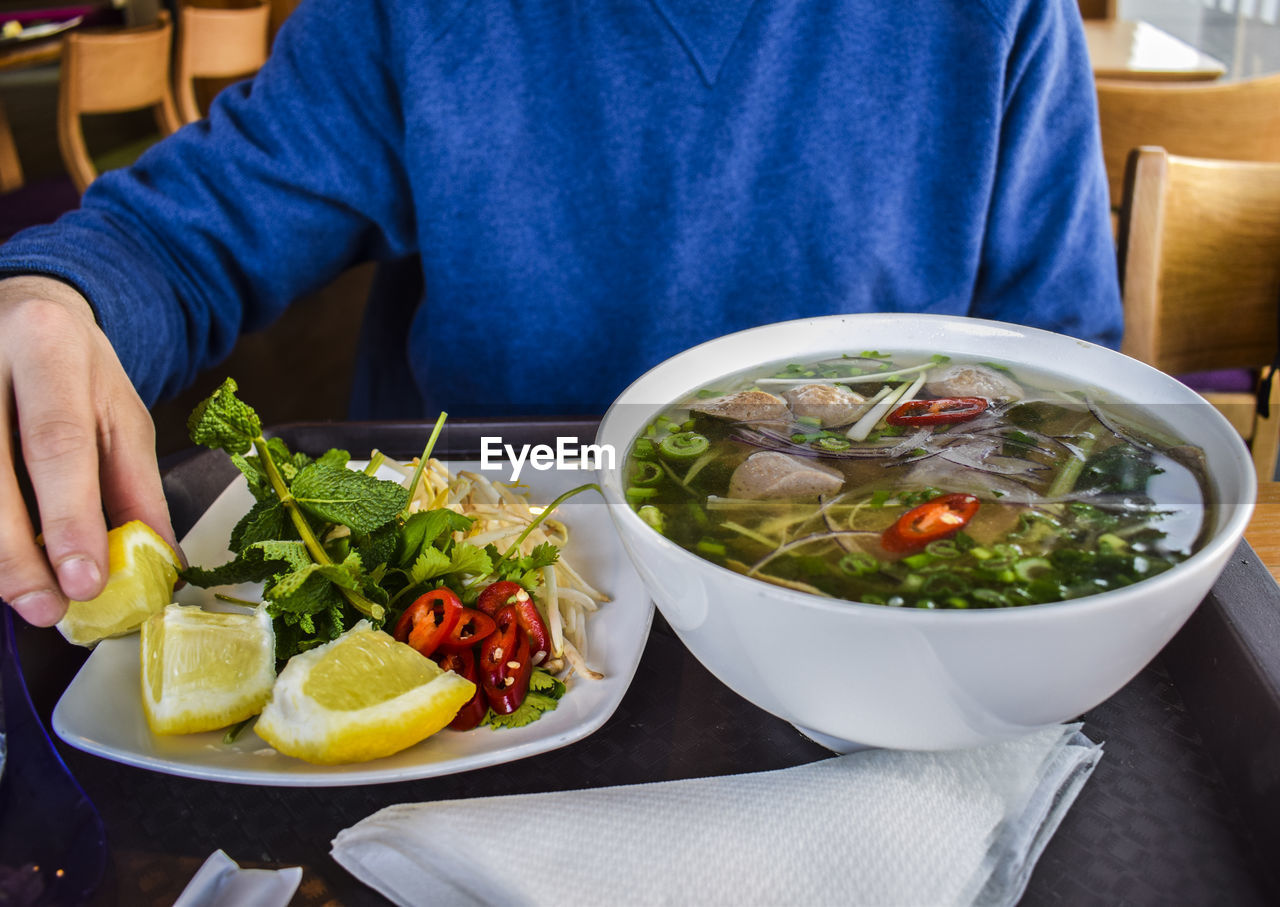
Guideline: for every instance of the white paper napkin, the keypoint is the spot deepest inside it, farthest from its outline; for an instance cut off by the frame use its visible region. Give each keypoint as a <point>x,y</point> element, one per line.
<point>220,882</point>
<point>873,827</point>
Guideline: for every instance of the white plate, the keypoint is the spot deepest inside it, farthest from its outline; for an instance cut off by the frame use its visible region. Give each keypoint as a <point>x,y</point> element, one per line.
<point>43,30</point>
<point>101,711</point>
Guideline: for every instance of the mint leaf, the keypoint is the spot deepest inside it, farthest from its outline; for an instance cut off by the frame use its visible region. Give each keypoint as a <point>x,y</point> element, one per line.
<point>378,547</point>
<point>339,495</point>
<point>302,630</point>
<point>345,575</point>
<point>241,570</point>
<point>256,476</point>
<point>334,457</point>
<point>222,421</point>
<point>265,521</point>
<point>309,594</point>
<point>255,564</point>
<point>292,554</point>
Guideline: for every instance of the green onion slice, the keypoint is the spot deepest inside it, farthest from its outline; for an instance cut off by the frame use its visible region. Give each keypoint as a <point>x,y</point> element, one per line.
<point>635,494</point>
<point>858,563</point>
<point>683,445</point>
<point>653,516</point>
<point>647,473</point>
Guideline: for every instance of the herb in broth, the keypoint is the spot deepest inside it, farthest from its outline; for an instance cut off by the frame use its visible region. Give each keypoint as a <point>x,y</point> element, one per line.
<point>915,481</point>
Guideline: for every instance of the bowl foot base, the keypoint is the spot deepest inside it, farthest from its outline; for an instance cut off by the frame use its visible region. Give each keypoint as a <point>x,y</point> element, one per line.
<point>835,744</point>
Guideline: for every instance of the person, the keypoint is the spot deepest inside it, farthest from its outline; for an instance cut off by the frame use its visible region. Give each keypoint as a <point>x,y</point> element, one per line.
<point>589,189</point>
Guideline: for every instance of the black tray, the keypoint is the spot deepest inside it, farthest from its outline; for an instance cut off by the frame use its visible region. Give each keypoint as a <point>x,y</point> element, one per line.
<point>1181,809</point>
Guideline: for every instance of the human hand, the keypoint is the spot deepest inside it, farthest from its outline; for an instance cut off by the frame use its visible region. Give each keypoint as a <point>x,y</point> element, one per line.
<point>87,441</point>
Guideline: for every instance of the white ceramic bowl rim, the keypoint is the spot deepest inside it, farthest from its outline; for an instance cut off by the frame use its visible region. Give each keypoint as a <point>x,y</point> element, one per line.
<point>1232,519</point>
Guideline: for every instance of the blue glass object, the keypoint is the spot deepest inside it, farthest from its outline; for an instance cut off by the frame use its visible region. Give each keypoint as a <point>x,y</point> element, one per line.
<point>53,848</point>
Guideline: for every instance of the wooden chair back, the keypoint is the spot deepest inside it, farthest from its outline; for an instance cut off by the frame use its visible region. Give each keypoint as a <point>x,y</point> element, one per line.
<point>1236,120</point>
<point>113,71</point>
<point>1200,272</point>
<point>1097,9</point>
<point>280,10</point>
<point>217,42</point>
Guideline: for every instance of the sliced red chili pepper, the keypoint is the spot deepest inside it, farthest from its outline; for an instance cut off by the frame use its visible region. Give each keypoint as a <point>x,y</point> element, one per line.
<point>506,592</point>
<point>505,663</point>
<point>530,620</point>
<point>429,620</point>
<point>471,627</point>
<point>499,594</point>
<point>940,411</point>
<point>463,663</point>
<point>937,518</point>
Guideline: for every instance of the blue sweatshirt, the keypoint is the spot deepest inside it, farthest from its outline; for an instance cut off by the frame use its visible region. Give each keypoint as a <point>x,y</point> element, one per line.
<point>593,186</point>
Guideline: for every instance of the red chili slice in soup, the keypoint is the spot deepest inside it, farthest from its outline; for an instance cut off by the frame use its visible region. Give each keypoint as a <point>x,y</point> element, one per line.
<point>938,518</point>
<point>940,411</point>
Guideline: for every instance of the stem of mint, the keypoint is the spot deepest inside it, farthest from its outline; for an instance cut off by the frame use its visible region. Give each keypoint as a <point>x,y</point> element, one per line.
<point>366,607</point>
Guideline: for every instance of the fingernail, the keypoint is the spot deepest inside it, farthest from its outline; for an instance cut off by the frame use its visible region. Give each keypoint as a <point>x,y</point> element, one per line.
<point>79,577</point>
<point>41,608</point>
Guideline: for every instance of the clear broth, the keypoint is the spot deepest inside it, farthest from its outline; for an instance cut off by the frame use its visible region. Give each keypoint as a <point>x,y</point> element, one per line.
<point>1136,506</point>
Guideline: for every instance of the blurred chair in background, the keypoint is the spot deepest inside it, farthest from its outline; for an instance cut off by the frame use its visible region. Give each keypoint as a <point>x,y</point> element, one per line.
<point>1098,9</point>
<point>280,10</point>
<point>217,42</point>
<point>1200,276</point>
<point>1237,120</point>
<point>114,71</point>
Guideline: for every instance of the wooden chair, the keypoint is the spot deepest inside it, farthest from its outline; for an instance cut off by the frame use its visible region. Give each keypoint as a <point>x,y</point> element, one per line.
<point>1097,9</point>
<point>113,71</point>
<point>280,10</point>
<point>1200,270</point>
<point>217,42</point>
<point>1238,121</point>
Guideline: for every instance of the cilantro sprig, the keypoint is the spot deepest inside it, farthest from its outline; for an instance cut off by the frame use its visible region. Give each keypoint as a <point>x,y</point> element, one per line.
<point>543,696</point>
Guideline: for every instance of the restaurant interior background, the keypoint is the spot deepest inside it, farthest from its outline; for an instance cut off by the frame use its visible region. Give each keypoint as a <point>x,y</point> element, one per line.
<point>1243,34</point>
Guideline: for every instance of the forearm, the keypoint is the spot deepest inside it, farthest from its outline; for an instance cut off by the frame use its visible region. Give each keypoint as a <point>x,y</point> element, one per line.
<point>219,227</point>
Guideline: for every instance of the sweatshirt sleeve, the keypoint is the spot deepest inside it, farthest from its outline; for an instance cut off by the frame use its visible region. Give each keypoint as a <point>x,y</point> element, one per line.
<point>1048,258</point>
<point>293,177</point>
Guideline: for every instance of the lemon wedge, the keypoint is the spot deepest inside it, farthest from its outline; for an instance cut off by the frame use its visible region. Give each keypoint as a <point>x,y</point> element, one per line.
<point>203,670</point>
<point>142,571</point>
<point>362,696</point>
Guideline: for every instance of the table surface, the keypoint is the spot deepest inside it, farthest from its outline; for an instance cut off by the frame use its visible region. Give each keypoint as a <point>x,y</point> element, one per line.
<point>1263,533</point>
<point>1123,49</point>
<point>1156,823</point>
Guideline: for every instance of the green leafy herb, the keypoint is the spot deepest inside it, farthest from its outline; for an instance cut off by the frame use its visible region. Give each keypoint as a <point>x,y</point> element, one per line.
<point>338,495</point>
<point>527,569</point>
<point>332,545</point>
<point>222,421</point>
